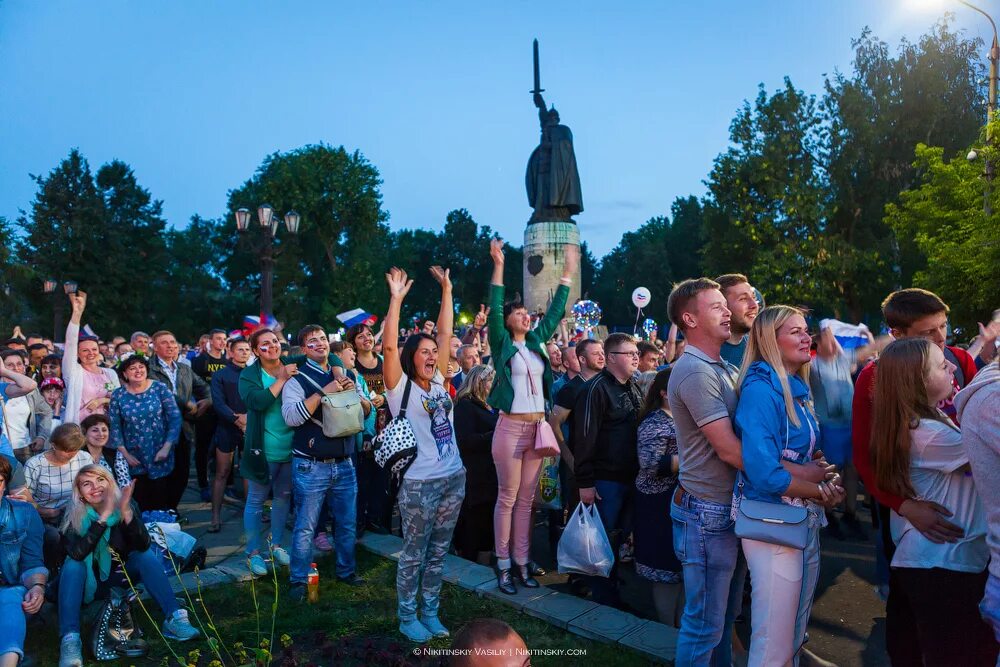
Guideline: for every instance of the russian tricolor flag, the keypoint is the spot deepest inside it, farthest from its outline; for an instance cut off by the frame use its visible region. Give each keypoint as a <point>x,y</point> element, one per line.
<point>850,336</point>
<point>357,316</point>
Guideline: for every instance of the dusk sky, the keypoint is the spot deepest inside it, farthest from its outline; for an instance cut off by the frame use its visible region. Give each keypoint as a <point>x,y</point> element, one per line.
<point>193,95</point>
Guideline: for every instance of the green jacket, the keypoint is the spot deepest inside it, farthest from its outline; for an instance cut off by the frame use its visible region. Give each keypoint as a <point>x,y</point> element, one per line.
<point>258,399</point>
<point>503,350</point>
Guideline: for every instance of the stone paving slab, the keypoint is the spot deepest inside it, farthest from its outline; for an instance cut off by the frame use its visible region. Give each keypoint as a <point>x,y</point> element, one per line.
<point>605,624</point>
<point>523,596</point>
<point>655,640</point>
<point>475,576</point>
<point>384,545</point>
<point>559,608</point>
<point>205,578</point>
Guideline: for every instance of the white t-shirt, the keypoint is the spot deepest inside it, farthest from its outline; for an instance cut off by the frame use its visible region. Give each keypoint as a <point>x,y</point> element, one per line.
<point>527,372</point>
<point>936,460</point>
<point>18,411</point>
<point>431,417</point>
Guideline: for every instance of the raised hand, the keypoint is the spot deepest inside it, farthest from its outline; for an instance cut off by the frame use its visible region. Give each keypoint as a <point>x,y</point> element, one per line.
<point>480,320</point>
<point>78,300</point>
<point>399,284</point>
<point>571,257</point>
<point>442,276</point>
<point>496,251</point>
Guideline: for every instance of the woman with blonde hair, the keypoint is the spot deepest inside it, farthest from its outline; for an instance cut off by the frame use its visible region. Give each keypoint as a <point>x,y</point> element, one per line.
<point>917,452</point>
<point>777,424</point>
<point>474,425</point>
<point>101,526</point>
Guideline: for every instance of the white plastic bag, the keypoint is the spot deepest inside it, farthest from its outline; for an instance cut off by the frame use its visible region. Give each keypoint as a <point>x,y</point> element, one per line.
<point>584,547</point>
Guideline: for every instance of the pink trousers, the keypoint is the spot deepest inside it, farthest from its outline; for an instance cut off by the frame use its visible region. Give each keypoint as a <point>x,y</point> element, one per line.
<point>518,469</point>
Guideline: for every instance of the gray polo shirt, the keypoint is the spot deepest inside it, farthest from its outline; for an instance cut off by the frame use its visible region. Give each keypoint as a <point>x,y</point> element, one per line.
<point>702,390</point>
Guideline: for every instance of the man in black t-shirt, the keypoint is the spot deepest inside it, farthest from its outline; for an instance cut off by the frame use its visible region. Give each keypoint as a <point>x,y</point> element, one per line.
<point>205,365</point>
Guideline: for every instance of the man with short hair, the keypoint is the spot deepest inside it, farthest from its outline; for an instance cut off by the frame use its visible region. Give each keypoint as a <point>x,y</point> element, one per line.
<point>212,358</point>
<point>741,300</point>
<point>555,360</point>
<point>322,470</point>
<point>649,356</point>
<point>34,339</point>
<point>121,349</point>
<point>702,396</point>
<point>36,352</point>
<point>140,343</point>
<point>606,460</point>
<point>192,397</point>
<point>468,358</point>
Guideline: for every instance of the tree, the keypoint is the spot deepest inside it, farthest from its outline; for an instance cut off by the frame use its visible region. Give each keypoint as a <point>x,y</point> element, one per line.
<point>767,200</point>
<point>338,260</point>
<point>929,92</point>
<point>943,214</point>
<point>686,237</point>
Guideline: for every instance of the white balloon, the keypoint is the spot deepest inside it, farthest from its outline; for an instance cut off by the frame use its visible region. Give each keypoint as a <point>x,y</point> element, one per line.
<point>640,297</point>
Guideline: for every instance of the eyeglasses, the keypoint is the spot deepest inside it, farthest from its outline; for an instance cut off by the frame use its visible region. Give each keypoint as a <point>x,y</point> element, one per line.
<point>633,353</point>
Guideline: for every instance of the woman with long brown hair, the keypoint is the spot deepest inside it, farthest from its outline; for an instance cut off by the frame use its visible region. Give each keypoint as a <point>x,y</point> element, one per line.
<point>917,453</point>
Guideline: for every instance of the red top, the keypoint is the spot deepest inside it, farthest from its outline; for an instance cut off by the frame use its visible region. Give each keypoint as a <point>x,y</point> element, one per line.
<point>861,424</point>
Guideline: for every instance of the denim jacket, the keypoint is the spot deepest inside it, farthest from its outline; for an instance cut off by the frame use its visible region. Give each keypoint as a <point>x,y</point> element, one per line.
<point>20,542</point>
<point>768,435</point>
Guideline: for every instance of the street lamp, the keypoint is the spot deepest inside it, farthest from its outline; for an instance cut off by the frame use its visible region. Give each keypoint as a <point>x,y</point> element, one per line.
<point>265,249</point>
<point>991,107</point>
<point>49,286</point>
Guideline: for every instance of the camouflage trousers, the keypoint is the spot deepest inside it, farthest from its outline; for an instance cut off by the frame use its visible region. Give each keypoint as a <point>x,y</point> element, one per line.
<point>428,512</point>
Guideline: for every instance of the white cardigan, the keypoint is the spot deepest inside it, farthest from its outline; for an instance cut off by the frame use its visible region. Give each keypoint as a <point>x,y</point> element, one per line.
<point>73,372</point>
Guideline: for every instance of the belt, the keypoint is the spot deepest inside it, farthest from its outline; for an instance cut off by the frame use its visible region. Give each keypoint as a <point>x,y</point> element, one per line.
<point>334,459</point>
<point>679,494</point>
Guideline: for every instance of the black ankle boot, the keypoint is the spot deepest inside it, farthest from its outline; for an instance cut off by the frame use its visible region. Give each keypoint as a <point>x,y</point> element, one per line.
<point>534,570</point>
<point>505,583</point>
<point>523,574</point>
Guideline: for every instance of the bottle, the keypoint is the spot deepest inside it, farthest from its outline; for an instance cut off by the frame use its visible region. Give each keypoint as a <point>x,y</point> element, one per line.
<point>312,584</point>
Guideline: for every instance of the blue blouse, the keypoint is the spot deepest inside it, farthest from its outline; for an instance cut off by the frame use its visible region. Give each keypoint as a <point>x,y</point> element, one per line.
<point>142,423</point>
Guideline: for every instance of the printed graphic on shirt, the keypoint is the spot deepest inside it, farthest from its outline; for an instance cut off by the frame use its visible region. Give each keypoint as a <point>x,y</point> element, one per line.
<point>438,407</point>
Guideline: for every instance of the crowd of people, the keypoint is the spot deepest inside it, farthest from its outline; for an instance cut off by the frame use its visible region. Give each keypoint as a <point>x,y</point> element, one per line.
<point>726,448</point>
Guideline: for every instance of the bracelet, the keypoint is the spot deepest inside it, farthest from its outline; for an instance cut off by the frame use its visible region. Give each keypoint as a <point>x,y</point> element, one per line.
<point>37,583</point>
<point>566,281</point>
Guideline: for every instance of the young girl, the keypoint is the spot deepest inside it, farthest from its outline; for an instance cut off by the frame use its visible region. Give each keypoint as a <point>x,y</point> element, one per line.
<point>917,453</point>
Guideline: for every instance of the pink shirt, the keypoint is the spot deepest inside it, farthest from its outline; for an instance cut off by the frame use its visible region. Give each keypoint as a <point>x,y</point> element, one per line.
<point>94,386</point>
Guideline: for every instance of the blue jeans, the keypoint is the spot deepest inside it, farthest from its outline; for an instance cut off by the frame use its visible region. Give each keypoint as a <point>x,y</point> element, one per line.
<point>253,526</point>
<point>141,566</point>
<point>714,572</point>
<point>12,628</point>
<point>615,507</point>
<point>316,483</point>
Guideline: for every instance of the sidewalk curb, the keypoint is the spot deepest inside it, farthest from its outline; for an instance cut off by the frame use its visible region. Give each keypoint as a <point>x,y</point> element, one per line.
<point>582,617</point>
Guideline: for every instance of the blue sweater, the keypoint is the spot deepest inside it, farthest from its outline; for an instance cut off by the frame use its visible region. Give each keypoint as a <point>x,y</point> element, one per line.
<point>768,436</point>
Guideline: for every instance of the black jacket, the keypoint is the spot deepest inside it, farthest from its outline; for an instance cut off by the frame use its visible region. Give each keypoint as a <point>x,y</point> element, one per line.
<point>605,421</point>
<point>124,538</point>
<point>227,404</point>
<point>474,424</point>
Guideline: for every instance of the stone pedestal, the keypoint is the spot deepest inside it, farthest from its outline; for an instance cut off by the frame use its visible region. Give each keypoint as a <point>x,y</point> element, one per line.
<point>543,263</point>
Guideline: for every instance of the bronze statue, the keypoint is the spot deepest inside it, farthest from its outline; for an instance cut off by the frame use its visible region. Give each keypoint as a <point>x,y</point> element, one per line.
<point>552,180</point>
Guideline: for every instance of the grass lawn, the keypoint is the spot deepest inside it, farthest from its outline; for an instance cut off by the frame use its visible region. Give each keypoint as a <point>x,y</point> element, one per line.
<point>349,626</point>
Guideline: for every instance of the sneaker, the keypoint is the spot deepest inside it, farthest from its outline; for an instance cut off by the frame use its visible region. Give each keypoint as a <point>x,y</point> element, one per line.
<point>258,567</point>
<point>322,542</point>
<point>280,556</point>
<point>415,631</point>
<point>352,579</point>
<point>71,650</point>
<point>179,627</point>
<point>297,592</point>
<point>433,624</point>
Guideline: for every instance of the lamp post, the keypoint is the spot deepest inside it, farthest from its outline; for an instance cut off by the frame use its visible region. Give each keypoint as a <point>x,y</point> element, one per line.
<point>58,305</point>
<point>991,107</point>
<point>265,248</point>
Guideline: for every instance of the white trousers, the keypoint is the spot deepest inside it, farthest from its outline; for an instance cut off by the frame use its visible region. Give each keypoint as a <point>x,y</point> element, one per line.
<point>783,582</point>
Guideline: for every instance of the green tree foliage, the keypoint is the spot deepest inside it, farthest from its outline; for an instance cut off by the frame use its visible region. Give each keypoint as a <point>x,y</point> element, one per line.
<point>768,199</point>
<point>338,259</point>
<point>929,92</point>
<point>943,215</point>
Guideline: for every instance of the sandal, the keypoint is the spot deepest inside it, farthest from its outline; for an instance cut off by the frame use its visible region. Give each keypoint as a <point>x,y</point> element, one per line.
<point>215,528</point>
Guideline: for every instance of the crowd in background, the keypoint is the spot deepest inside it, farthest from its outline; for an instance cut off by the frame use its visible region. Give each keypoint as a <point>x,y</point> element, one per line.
<point>691,447</point>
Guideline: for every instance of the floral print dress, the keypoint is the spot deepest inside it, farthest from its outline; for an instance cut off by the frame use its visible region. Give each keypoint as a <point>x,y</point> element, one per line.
<point>654,542</point>
<point>142,423</point>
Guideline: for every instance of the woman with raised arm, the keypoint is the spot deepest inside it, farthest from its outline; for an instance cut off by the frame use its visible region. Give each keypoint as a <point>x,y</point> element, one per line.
<point>432,488</point>
<point>522,386</point>
<point>88,385</point>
